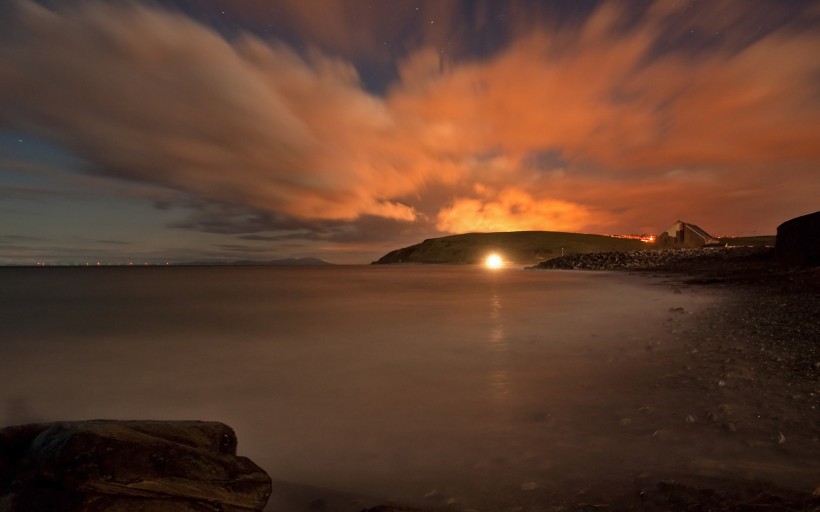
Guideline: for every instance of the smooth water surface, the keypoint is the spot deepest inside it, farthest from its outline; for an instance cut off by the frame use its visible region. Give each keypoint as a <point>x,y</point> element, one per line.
<point>381,380</point>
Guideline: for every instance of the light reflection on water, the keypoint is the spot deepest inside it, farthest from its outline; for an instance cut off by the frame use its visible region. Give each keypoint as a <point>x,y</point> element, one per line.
<point>498,377</point>
<point>380,380</point>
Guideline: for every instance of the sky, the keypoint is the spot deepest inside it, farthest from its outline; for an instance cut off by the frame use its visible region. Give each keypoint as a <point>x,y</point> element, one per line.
<point>220,130</point>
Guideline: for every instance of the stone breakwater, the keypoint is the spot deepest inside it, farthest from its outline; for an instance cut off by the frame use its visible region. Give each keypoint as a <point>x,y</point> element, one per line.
<point>665,259</point>
<point>123,466</point>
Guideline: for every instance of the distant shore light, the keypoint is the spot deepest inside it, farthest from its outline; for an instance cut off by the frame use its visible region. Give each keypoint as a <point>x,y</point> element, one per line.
<point>494,261</point>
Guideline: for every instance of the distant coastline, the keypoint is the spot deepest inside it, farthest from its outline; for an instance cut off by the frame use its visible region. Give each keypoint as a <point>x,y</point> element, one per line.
<point>286,262</point>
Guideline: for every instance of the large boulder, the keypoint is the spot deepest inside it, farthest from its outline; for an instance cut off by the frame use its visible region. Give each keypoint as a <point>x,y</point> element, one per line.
<point>114,466</point>
<point>798,241</point>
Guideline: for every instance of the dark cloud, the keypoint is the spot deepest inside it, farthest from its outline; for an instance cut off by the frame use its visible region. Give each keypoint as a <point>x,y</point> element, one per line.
<point>15,239</point>
<point>368,235</point>
<point>230,218</point>
<point>112,242</point>
<point>257,226</point>
<point>29,193</point>
<point>243,248</point>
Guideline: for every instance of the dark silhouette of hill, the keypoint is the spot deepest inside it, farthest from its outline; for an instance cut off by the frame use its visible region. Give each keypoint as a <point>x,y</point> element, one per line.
<point>520,247</point>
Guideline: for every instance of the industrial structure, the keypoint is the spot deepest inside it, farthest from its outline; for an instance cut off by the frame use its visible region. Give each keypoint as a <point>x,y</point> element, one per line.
<point>685,235</point>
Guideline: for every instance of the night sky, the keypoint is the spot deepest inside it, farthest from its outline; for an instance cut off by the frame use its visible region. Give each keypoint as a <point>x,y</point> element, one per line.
<point>180,130</point>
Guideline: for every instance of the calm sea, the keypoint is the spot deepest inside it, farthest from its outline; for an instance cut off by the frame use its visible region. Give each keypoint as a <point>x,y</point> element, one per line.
<point>380,380</point>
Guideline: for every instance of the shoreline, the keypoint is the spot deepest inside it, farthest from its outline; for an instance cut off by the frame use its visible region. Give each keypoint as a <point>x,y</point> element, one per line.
<point>753,362</point>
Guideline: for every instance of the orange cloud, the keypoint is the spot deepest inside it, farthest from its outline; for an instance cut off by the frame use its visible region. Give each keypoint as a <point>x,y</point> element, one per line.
<point>511,209</point>
<point>599,94</point>
<point>647,136</point>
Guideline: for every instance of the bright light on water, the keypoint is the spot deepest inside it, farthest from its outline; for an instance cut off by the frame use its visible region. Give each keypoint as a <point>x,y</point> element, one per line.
<point>493,261</point>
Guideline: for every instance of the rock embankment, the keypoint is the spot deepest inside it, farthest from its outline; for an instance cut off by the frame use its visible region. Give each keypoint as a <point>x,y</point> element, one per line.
<point>119,466</point>
<point>665,259</point>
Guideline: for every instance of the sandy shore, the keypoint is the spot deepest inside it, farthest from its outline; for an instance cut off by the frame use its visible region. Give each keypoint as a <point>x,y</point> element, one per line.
<point>739,379</point>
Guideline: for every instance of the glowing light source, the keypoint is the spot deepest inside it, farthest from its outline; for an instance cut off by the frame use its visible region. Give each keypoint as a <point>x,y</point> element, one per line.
<point>493,261</point>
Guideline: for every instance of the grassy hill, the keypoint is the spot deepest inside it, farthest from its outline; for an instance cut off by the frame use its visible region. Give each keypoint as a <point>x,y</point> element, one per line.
<point>521,247</point>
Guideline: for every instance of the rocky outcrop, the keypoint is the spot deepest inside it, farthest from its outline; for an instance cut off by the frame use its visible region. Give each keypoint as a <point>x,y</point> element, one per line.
<point>118,466</point>
<point>798,241</point>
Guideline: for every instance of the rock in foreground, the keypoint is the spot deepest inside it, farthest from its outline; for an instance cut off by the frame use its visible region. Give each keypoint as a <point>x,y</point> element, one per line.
<point>118,466</point>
